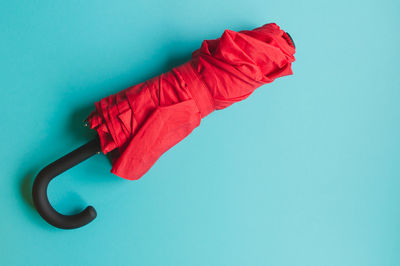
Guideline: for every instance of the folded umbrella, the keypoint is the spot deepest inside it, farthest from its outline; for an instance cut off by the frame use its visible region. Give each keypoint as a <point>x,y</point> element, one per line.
<point>142,122</point>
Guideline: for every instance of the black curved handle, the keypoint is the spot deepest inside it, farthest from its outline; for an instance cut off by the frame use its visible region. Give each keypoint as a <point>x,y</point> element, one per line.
<point>39,190</point>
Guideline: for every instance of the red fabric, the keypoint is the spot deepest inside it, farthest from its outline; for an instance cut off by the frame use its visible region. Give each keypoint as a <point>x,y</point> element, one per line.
<point>144,121</point>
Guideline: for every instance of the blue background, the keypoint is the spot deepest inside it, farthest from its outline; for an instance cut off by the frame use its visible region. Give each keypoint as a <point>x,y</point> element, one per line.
<point>304,172</point>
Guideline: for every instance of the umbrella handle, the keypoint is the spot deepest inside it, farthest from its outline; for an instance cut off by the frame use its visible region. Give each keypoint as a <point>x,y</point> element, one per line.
<point>39,189</point>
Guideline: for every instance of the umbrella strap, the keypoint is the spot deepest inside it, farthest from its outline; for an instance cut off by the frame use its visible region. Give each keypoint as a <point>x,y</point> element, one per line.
<point>199,91</point>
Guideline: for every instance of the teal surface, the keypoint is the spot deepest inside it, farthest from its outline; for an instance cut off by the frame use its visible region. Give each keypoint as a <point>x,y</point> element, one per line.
<point>304,172</point>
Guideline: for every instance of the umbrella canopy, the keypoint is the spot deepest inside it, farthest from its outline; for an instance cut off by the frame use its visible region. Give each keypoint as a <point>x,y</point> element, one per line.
<point>144,121</point>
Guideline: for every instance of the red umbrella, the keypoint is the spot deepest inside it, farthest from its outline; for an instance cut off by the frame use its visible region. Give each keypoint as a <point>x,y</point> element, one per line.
<point>142,122</point>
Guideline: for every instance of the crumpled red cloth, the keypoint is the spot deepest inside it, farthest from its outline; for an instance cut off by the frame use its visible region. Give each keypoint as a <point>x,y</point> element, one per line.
<point>144,121</point>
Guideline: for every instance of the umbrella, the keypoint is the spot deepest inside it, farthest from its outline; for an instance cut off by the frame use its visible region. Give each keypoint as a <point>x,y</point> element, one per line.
<point>142,122</point>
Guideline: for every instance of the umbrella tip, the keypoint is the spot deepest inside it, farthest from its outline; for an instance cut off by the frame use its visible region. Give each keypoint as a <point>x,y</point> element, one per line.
<point>291,39</point>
